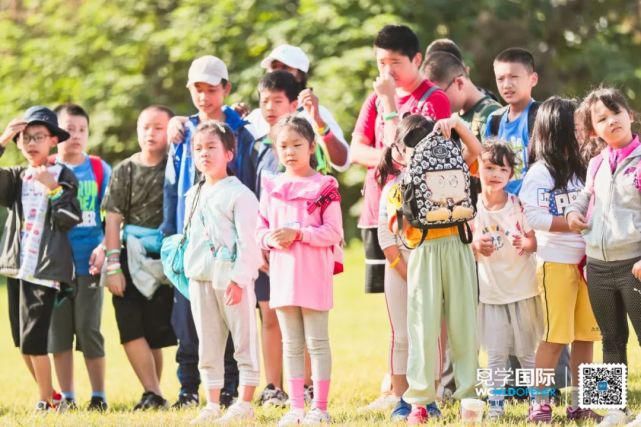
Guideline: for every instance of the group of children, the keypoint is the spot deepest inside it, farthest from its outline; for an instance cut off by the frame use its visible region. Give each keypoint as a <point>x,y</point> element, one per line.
<point>253,199</point>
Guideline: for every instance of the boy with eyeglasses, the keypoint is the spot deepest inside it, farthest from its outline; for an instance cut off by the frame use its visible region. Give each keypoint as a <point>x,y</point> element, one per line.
<point>34,250</point>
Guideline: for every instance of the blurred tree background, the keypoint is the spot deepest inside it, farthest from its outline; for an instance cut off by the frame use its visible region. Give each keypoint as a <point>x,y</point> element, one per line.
<point>115,57</point>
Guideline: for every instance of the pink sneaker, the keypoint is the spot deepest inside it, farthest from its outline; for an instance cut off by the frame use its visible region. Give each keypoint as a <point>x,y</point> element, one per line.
<point>418,415</point>
<point>540,413</point>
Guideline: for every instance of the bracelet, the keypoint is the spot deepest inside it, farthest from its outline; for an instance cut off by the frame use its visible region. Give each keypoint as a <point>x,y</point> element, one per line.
<point>395,262</point>
<point>114,272</point>
<point>56,193</point>
<point>322,131</point>
<point>113,266</point>
<point>390,116</point>
<point>113,252</point>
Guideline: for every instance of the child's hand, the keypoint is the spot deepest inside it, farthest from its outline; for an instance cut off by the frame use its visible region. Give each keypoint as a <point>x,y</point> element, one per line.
<point>483,245</point>
<point>233,294</point>
<point>265,267</point>
<point>445,126</point>
<point>14,127</point>
<point>241,108</point>
<point>636,270</point>
<point>519,244</point>
<point>309,101</point>
<point>96,260</point>
<point>45,177</point>
<point>116,284</point>
<point>385,86</point>
<point>576,221</point>
<point>283,237</point>
<point>176,129</point>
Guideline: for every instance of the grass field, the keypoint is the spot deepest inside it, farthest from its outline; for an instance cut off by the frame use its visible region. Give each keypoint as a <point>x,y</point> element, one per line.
<point>359,339</point>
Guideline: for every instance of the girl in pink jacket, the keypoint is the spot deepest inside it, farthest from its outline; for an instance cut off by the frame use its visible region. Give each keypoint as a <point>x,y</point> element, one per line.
<point>300,224</point>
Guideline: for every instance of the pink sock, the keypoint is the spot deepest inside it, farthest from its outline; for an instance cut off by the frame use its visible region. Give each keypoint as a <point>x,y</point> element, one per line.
<point>321,391</point>
<point>297,392</point>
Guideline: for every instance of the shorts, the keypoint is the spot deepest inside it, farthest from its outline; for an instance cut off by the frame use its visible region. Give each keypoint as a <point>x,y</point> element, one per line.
<point>567,312</point>
<point>30,308</point>
<point>79,314</point>
<point>138,317</point>
<point>261,287</point>
<point>374,262</point>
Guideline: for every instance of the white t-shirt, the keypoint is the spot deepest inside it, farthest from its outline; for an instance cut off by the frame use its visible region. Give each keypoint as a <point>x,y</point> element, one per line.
<point>259,127</point>
<point>35,200</point>
<point>505,276</point>
<point>542,204</point>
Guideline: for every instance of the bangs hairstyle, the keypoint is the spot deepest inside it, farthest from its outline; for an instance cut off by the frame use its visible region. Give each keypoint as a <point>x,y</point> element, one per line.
<point>398,38</point>
<point>221,130</point>
<point>443,67</point>
<point>71,110</point>
<point>517,55</point>
<point>500,153</point>
<point>554,141</point>
<point>612,98</point>
<point>444,45</point>
<point>302,127</point>
<point>280,81</point>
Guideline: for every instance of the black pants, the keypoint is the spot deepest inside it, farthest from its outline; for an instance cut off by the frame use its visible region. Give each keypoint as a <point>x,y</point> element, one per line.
<point>187,353</point>
<point>615,294</point>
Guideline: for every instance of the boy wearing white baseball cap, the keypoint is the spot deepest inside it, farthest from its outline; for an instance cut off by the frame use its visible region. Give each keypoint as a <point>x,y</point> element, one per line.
<point>208,84</point>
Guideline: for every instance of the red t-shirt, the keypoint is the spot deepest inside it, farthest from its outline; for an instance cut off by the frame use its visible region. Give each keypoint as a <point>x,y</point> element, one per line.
<point>370,124</point>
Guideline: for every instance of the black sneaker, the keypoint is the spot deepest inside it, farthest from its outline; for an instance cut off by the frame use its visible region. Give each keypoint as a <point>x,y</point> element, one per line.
<point>97,403</point>
<point>273,396</point>
<point>186,400</point>
<point>70,404</point>
<point>308,394</point>
<point>150,400</point>
<point>226,399</point>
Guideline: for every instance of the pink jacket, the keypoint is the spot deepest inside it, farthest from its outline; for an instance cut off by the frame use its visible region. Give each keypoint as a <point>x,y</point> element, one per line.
<point>301,275</point>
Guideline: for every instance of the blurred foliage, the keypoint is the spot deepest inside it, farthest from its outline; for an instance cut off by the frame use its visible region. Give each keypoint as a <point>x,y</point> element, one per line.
<point>115,57</point>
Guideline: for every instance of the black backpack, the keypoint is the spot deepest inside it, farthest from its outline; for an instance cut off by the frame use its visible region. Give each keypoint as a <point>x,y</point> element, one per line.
<point>495,119</point>
<point>436,188</point>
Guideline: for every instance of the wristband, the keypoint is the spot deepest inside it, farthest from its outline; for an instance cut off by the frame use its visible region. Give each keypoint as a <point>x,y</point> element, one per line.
<point>395,262</point>
<point>113,266</point>
<point>322,131</point>
<point>56,193</point>
<point>390,116</point>
<point>113,252</point>
<point>114,272</point>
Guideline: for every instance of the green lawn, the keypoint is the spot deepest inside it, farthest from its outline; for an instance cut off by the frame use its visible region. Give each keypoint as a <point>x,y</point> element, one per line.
<point>359,339</point>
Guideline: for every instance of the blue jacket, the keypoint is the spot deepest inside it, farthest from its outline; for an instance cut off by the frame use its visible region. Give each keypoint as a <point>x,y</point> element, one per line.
<point>180,173</point>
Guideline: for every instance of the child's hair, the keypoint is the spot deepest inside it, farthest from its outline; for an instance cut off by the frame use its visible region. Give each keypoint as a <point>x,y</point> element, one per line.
<point>398,38</point>
<point>410,131</point>
<point>219,129</point>
<point>554,141</point>
<point>444,45</point>
<point>302,127</point>
<point>590,146</point>
<point>500,153</point>
<point>517,55</point>
<point>161,108</point>
<point>441,66</point>
<point>280,81</point>
<point>612,98</point>
<point>72,110</point>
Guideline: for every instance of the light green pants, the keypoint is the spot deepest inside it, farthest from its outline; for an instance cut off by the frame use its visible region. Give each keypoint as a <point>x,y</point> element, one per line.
<point>441,281</point>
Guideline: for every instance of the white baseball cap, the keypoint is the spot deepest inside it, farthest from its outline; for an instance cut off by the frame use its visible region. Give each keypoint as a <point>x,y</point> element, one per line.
<point>292,56</point>
<point>207,69</point>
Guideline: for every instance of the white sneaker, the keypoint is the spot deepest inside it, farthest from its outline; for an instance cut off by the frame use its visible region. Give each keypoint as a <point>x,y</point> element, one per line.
<point>384,402</point>
<point>239,411</point>
<point>316,417</point>
<point>615,417</point>
<point>208,414</point>
<point>291,418</point>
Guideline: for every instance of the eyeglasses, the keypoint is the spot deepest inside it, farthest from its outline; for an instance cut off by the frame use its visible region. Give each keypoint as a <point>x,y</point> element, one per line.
<point>38,138</point>
<point>452,82</point>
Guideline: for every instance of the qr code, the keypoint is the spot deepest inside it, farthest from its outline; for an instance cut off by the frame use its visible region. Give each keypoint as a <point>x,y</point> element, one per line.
<point>603,385</point>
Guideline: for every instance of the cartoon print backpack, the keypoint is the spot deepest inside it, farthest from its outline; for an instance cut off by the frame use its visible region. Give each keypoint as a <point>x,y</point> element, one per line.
<point>436,188</point>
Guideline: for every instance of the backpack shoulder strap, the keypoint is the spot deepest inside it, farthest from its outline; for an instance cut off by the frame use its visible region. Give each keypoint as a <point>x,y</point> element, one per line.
<point>426,96</point>
<point>596,165</point>
<point>531,116</point>
<point>495,120</point>
<point>98,171</point>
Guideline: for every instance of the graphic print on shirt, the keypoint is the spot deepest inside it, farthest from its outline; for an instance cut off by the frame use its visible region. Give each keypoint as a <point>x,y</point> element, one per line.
<point>497,234</point>
<point>88,198</point>
<point>519,149</point>
<point>557,201</point>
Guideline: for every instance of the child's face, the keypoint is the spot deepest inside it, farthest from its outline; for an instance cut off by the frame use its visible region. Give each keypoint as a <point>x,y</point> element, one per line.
<point>35,142</point>
<point>454,91</point>
<point>613,128</point>
<point>494,177</point>
<point>152,131</point>
<point>293,150</point>
<point>514,81</point>
<point>210,154</point>
<point>276,65</point>
<point>403,70</point>
<point>78,129</point>
<point>274,105</point>
<point>209,99</point>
